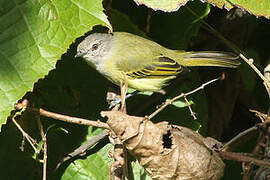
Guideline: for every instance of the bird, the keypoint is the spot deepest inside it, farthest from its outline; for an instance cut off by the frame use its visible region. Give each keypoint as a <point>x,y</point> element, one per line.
<point>143,64</point>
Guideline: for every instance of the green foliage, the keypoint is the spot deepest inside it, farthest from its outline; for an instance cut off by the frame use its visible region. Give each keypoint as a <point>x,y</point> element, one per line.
<point>33,36</point>
<point>138,172</point>
<point>167,6</point>
<point>95,166</point>
<point>64,90</point>
<point>258,8</point>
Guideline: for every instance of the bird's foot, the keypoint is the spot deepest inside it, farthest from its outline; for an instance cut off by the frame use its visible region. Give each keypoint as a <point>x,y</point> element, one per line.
<point>114,99</point>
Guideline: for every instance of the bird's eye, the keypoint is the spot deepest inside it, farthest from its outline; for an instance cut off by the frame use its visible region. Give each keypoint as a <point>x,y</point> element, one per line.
<point>94,47</point>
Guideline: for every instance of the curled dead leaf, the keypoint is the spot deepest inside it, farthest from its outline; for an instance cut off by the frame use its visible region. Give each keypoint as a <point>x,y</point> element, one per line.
<point>167,152</point>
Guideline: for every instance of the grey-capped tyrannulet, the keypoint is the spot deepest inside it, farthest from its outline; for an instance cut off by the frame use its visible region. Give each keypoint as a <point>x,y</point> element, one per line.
<point>144,64</point>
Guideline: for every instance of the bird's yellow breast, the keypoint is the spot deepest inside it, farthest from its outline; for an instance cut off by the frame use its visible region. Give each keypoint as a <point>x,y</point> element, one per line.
<point>143,84</point>
<point>120,62</point>
<point>148,84</point>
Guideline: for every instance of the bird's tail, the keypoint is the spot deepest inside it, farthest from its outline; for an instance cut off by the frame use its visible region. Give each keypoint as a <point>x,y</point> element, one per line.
<point>210,58</point>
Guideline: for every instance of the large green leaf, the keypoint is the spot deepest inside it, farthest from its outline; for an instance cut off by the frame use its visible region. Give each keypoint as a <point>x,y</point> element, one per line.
<point>33,36</point>
<point>164,5</point>
<point>138,172</point>
<point>95,166</point>
<point>68,90</point>
<point>258,8</point>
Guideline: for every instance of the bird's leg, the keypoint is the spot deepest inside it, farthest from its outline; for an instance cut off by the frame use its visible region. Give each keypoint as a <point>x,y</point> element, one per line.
<point>114,100</point>
<point>123,89</point>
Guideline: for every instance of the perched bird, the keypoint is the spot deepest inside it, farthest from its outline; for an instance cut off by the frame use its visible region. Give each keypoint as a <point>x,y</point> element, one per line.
<point>143,64</point>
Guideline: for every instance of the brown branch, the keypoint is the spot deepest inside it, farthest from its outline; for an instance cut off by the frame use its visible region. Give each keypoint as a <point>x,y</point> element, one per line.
<point>244,157</point>
<point>45,156</point>
<point>181,96</point>
<point>161,94</point>
<point>234,48</point>
<point>82,122</point>
<point>238,136</point>
<point>69,119</point>
<point>263,144</point>
<point>27,136</point>
<point>248,168</point>
<point>123,151</point>
<point>192,113</point>
<point>125,168</point>
<point>117,168</point>
<point>267,76</point>
<point>259,114</point>
<point>250,63</point>
<point>81,151</point>
<point>247,131</point>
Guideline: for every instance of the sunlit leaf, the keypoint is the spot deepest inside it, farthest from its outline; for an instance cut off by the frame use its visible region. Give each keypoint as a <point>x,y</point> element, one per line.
<point>33,36</point>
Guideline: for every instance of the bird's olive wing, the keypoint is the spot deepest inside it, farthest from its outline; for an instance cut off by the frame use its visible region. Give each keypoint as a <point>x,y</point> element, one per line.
<point>162,67</point>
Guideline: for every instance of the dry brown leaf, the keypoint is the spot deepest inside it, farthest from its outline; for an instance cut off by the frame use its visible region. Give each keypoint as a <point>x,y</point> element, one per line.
<point>167,152</point>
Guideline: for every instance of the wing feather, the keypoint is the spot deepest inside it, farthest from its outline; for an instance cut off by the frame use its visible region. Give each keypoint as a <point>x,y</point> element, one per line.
<point>162,67</point>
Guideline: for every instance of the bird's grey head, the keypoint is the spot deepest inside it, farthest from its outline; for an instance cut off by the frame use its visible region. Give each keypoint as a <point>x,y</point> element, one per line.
<point>94,48</point>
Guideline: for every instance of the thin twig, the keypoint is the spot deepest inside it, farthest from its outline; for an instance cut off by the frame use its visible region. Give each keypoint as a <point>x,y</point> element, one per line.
<point>244,157</point>
<point>125,168</point>
<point>123,89</point>
<point>259,114</point>
<point>247,131</point>
<point>28,138</point>
<point>181,96</point>
<point>69,118</point>
<point>250,63</point>
<point>234,48</point>
<point>81,151</point>
<point>190,109</point>
<point>249,167</point>
<point>263,144</point>
<point>45,156</point>
<point>266,72</point>
<point>116,169</point>
<point>161,94</point>
<point>238,136</point>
